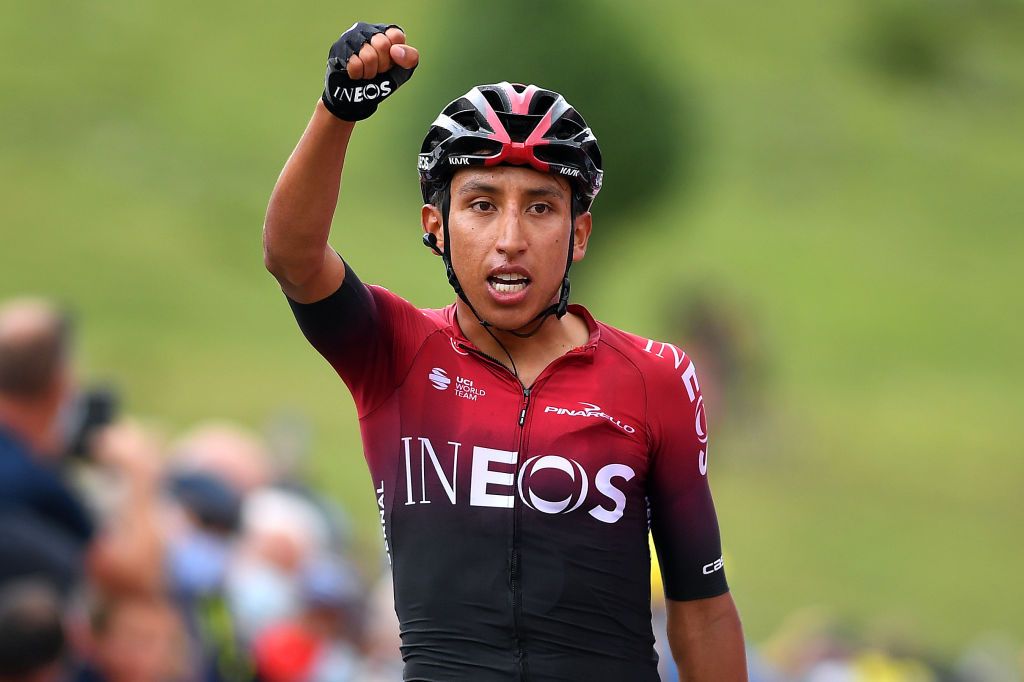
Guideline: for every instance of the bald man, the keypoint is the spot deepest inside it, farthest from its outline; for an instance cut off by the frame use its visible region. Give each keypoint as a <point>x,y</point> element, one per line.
<point>40,513</point>
<point>35,384</point>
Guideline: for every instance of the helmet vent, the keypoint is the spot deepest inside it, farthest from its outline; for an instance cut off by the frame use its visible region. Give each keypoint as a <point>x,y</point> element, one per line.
<point>494,99</point>
<point>473,146</point>
<point>519,126</point>
<point>556,153</point>
<point>541,102</point>
<point>436,136</point>
<point>467,119</point>
<point>565,129</point>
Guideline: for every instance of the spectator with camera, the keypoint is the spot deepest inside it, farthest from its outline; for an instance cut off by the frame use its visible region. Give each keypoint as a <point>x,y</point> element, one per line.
<point>45,525</point>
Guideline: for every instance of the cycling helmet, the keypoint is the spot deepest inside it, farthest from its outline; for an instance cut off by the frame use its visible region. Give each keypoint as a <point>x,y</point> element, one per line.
<point>510,123</point>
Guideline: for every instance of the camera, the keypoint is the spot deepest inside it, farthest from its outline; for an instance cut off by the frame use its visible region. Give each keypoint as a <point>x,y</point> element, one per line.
<point>90,411</point>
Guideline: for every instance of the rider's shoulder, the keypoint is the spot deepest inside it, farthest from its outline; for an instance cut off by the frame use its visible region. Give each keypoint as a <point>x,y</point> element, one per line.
<point>652,357</point>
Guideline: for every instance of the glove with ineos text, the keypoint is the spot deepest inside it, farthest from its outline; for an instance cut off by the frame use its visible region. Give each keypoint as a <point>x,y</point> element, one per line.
<point>353,99</point>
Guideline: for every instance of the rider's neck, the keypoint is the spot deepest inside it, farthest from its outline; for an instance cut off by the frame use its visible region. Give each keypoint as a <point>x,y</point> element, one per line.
<point>554,338</point>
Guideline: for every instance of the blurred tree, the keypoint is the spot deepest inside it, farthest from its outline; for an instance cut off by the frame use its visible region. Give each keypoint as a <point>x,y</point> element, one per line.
<point>593,56</point>
<point>926,41</point>
<point>911,41</point>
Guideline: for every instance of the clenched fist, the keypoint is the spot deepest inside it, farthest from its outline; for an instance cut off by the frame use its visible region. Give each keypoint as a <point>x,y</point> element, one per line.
<point>366,65</point>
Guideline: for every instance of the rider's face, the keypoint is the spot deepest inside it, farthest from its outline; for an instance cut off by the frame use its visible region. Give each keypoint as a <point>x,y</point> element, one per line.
<point>509,228</point>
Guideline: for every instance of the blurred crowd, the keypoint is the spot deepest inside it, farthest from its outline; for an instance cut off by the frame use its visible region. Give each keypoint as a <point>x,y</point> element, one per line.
<point>128,557</point>
<point>125,557</point>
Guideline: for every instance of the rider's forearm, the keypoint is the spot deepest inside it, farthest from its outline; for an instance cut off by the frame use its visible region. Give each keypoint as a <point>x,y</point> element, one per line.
<point>706,639</point>
<point>302,205</point>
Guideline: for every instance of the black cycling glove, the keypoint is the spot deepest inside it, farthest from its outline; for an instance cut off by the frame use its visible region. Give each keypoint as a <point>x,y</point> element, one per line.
<point>354,100</point>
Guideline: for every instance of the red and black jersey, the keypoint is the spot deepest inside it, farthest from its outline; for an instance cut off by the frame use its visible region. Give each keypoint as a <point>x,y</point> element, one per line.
<point>516,519</point>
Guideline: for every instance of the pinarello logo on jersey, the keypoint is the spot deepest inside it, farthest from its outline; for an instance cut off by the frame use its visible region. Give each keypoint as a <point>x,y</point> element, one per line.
<point>588,410</point>
<point>439,378</point>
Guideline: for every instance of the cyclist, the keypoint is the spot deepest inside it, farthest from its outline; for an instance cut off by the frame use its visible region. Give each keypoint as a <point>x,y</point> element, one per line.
<point>519,449</point>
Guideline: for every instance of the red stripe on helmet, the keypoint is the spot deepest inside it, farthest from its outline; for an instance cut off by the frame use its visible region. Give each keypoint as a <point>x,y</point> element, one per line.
<point>518,154</point>
<point>536,137</point>
<point>520,102</point>
<point>500,134</point>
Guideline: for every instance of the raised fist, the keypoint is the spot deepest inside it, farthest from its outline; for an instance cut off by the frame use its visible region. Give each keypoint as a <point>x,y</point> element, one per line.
<point>366,65</point>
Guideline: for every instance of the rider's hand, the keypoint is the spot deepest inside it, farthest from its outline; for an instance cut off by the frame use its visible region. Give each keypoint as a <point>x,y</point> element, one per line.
<point>367,64</point>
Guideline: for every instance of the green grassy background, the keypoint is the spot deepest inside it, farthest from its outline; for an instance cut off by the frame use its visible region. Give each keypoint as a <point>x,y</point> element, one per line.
<point>849,175</point>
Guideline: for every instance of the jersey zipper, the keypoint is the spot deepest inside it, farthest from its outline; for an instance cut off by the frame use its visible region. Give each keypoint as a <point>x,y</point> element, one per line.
<point>515,568</point>
<point>514,561</point>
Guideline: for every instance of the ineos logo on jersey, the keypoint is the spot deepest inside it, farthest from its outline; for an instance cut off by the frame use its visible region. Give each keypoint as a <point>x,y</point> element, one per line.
<point>689,377</point>
<point>700,424</point>
<point>589,410</point>
<point>439,378</point>
<point>493,482</point>
<point>578,484</point>
<point>363,93</point>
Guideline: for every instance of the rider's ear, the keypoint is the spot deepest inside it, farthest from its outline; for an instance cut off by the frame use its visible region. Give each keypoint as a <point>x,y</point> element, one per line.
<point>433,235</point>
<point>581,235</point>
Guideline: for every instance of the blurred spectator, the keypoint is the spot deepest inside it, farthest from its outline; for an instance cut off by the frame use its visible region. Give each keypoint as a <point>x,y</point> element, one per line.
<point>282,531</point>
<point>322,643</point>
<point>202,542</point>
<point>33,547</point>
<point>31,634</point>
<point>38,507</point>
<point>719,336</point>
<point>35,386</point>
<point>382,660</point>
<point>226,452</point>
<point>134,638</point>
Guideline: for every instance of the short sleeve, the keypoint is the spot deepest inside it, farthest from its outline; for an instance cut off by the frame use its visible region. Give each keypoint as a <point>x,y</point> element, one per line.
<point>369,335</point>
<point>684,525</point>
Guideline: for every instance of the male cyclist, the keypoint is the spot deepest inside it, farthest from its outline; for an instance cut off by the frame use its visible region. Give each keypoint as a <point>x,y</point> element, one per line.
<point>519,449</point>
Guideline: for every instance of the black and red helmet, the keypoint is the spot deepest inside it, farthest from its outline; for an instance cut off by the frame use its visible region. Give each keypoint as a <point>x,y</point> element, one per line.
<point>509,123</point>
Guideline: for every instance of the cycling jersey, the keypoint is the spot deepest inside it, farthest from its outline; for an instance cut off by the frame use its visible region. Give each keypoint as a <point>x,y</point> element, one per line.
<point>516,519</point>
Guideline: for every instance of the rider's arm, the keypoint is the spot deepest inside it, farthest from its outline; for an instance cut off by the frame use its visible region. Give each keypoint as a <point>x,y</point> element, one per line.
<point>706,639</point>
<point>298,221</point>
<point>368,334</point>
<point>704,628</point>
